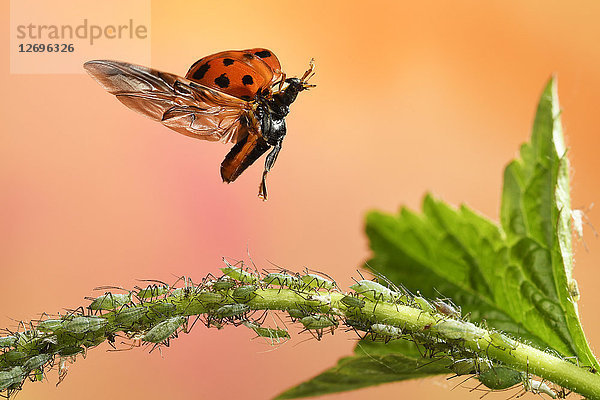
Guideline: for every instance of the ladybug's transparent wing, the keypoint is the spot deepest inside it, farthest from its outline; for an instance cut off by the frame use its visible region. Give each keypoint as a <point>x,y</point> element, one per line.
<point>182,105</point>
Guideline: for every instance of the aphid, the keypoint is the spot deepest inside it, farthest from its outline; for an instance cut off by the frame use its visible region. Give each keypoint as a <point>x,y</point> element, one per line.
<point>359,324</point>
<point>50,325</point>
<point>464,366</point>
<point>110,301</point>
<point>93,339</point>
<point>14,356</point>
<point>163,308</point>
<point>352,302</point>
<point>239,273</point>
<point>282,279</point>
<point>231,310</point>
<point>387,332</point>
<point>452,329</point>
<point>423,304</point>
<point>244,293</point>
<point>317,322</point>
<point>232,97</point>
<point>276,335</point>
<point>163,330</point>
<point>447,309</point>
<point>84,324</point>
<point>296,313</point>
<point>502,341</point>
<point>70,351</point>
<point>499,377</point>
<point>314,281</point>
<point>209,297</point>
<point>10,377</point>
<point>36,362</point>
<point>574,290</point>
<point>152,291</point>
<point>8,341</point>
<point>223,284</point>
<point>376,291</point>
<point>130,315</point>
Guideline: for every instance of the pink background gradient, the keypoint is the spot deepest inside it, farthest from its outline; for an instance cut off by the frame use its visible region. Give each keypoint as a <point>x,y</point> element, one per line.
<point>411,97</point>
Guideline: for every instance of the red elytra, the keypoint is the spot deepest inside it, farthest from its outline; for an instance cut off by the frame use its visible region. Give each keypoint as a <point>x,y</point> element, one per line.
<point>240,73</point>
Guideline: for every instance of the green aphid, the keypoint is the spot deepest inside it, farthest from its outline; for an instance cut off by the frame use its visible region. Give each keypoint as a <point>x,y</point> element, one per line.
<point>231,310</point>
<point>360,324</point>
<point>70,351</point>
<point>39,375</point>
<point>352,302</point>
<point>50,325</point>
<point>210,297</point>
<point>314,281</point>
<point>464,366</point>
<point>244,293</point>
<point>239,274</point>
<point>318,322</point>
<point>110,301</point>
<point>453,329</point>
<point>8,341</point>
<point>84,324</point>
<point>376,291</point>
<point>276,335</point>
<point>282,279</point>
<point>386,331</point>
<point>152,291</point>
<point>14,356</point>
<point>502,341</point>
<point>296,313</point>
<point>93,339</point>
<point>11,376</point>
<point>498,377</point>
<point>223,284</point>
<point>36,362</point>
<point>424,305</point>
<point>163,308</point>
<point>163,330</point>
<point>130,315</point>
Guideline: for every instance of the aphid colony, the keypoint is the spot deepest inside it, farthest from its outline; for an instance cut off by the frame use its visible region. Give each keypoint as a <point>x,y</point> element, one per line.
<point>155,314</point>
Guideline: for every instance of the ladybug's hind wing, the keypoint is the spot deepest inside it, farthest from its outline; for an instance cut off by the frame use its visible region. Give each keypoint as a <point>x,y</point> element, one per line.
<point>184,106</point>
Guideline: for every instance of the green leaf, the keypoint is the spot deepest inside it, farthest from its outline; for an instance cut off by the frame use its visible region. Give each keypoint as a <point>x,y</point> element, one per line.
<point>514,277</point>
<point>373,364</point>
<point>536,217</point>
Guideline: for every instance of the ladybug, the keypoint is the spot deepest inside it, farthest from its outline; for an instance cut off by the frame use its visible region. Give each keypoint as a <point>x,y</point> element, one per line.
<point>235,96</point>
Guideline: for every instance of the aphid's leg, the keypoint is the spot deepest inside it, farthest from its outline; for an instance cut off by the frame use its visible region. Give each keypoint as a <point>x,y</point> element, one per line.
<point>269,162</point>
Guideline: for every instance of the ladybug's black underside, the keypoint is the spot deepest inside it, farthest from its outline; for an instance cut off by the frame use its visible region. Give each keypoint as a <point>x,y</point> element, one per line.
<point>271,114</point>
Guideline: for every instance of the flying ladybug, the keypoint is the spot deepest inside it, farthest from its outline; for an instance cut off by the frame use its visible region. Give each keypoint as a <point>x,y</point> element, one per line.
<point>235,96</point>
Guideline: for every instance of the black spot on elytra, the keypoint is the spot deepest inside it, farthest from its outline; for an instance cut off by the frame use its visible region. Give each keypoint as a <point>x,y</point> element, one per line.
<point>222,81</point>
<point>263,54</point>
<point>227,62</point>
<point>201,71</point>
<point>247,80</point>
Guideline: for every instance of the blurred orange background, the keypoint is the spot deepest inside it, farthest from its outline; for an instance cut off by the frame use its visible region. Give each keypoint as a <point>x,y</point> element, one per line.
<point>411,97</point>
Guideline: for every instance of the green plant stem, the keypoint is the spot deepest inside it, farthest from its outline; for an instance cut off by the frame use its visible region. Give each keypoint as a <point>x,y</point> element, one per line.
<point>442,335</point>
<point>517,355</point>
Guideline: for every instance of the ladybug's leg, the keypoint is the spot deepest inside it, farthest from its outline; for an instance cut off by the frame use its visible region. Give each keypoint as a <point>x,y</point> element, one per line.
<point>269,162</point>
<point>282,81</point>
